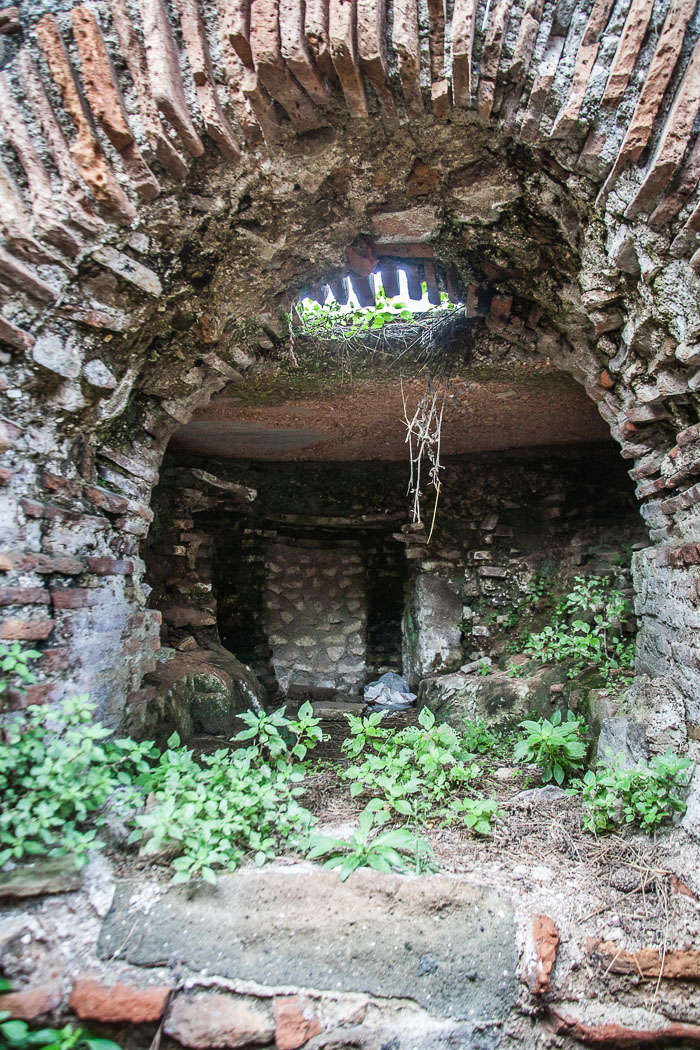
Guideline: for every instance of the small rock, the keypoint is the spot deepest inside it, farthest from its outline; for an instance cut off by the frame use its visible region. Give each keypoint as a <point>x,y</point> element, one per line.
<point>427,965</point>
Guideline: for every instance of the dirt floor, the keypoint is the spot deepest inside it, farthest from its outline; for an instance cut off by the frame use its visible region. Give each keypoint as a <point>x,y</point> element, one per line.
<point>586,925</point>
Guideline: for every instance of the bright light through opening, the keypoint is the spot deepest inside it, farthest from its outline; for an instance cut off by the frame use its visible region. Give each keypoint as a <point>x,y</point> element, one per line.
<point>416,306</point>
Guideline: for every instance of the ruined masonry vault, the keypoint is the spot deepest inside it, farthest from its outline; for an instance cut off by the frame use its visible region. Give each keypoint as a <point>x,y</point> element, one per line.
<point>172,175</point>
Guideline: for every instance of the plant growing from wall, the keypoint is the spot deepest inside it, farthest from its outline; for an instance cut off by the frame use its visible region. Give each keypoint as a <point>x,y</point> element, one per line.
<point>586,630</point>
<point>17,1035</point>
<point>556,747</point>
<point>644,796</point>
<point>14,668</point>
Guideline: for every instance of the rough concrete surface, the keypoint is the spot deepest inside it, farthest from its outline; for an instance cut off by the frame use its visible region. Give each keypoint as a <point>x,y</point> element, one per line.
<point>444,943</point>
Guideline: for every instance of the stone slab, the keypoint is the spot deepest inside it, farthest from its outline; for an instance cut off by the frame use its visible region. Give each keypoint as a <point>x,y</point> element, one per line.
<point>52,875</point>
<point>441,941</point>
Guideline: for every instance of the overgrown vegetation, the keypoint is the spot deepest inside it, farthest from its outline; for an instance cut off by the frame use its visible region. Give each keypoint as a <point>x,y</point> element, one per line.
<point>587,630</point>
<point>645,795</point>
<point>329,319</point>
<point>61,774</point>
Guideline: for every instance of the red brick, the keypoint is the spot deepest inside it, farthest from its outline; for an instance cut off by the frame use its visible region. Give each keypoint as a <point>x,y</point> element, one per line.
<point>407,47</point>
<point>26,630</point>
<point>342,36</point>
<point>295,1022</point>
<point>606,379</point>
<point>501,305</point>
<point>41,693</point>
<point>24,596</point>
<point>209,1020</point>
<point>546,940</point>
<point>34,509</point>
<point>56,483</point>
<point>110,566</point>
<point>106,500</point>
<point>54,660</point>
<point>5,475</point>
<point>613,1034</point>
<point>30,1003</point>
<point>118,1003</point>
<point>80,597</point>
<point>33,561</point>
<point>85,149</point>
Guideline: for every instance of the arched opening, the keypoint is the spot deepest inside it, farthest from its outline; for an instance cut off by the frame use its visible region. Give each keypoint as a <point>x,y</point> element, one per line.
<point>178,466</point>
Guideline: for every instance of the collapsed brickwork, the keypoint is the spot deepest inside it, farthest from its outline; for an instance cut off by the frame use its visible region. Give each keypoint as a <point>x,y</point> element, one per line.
<point>173,175</point>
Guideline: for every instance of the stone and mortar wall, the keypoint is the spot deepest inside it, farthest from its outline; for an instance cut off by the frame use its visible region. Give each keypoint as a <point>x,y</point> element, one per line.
<point>316,612</point>
<point>158,209</point>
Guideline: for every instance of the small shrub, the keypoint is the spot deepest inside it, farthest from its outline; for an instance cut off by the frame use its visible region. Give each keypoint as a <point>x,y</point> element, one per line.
<point>414,770</point>
<point>386,851</point>
<point>645,795</point>
<point>477,814</point>
<point>57,770</point>
<point>479,738</point>
<point>555,746</point>
<point>212,811</point>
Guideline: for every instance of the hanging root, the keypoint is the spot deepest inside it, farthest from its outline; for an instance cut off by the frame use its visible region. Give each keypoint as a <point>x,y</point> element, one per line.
<point>423,435</point>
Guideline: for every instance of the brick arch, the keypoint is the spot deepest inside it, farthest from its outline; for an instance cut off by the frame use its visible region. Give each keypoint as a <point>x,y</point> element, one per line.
<point>155,186</point>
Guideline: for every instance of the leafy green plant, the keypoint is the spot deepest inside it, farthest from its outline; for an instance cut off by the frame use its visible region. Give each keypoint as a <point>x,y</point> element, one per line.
<point>555,746</point>
<point>58,768</point>
<point>596,641</point>
<point>208,813</point>
<point>414,770</point>
<point>322,320</point>
<point>477,814</point>
<point>385,851</point>
<point>275,734</point>
<point>17,1035</point>
<point>477,737</point>
<point>646,795</point>
<point>14,667</point>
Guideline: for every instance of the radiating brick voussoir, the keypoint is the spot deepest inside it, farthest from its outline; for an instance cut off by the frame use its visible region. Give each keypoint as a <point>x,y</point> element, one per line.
<point>463,28</point>
<point>270,66</point>
<point>491,57</point>
<point>316,32</point>
<point>657,80</point>
<point>407,47</point>
<point>439,88</point>
<point>631,40</point>
<point>585,60</point>
<point>215,120</point>
<point>343,48</point>
<point>75,194</point>
<point>41,192</point>
<point>104,97</point>
<point>295,51</point>
<point>674,137</point>
<point>164,74</point>
<point>85,149</point>
<point>130,48</point>
<point>371,37</point>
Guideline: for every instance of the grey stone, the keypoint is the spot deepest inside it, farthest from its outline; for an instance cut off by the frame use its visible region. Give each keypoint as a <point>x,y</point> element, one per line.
<point>50,875</point>
<point>432,638</point>
<point>267,926</point>
<point>58,354</point>
<point>622,741</point>
<point>97,374</point>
